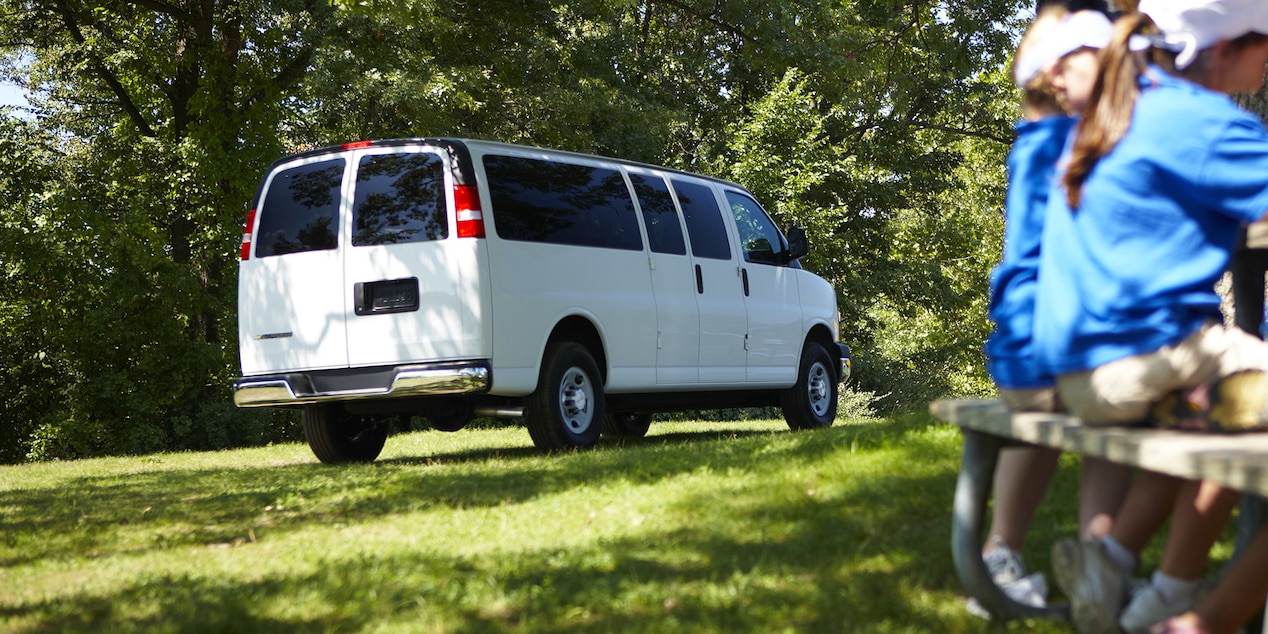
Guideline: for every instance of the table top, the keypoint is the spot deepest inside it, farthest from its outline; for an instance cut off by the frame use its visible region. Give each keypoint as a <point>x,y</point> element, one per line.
<point>1239,461</point>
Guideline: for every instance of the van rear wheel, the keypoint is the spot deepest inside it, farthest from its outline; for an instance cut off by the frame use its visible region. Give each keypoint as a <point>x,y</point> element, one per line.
<point>812,402</point>
<point>567,410</point>
<point>337,435</point>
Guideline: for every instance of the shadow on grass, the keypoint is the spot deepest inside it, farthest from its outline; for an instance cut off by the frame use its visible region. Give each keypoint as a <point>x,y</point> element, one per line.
<point>866,553</point>
<point>181,507</point>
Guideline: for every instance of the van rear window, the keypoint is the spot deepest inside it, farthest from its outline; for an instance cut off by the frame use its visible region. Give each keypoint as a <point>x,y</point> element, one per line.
<point>560,203</point>
<point>399,198</point>
<point>300,210</point>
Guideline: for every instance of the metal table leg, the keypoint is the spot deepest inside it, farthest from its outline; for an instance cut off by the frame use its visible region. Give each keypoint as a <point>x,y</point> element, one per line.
<point>972,491</point>
<point>1252,515</point>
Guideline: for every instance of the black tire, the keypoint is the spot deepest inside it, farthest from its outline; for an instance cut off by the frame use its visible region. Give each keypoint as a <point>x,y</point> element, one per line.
<point>567,410</point>
<point>812,402</point>
<point>627,424</point>
<point>338,436</point>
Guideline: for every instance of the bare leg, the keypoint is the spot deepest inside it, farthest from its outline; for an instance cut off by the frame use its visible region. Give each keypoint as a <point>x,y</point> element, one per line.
<point>1103,486</point>
<point>1201,511</point>
<point>1148,505</point>
<point>1021,479</point>
<point>1238,595</point>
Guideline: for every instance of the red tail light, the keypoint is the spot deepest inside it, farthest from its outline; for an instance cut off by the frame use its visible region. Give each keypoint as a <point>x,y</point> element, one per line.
<point>246,235</point>
<point>466,202</point>
<point>355,145</point>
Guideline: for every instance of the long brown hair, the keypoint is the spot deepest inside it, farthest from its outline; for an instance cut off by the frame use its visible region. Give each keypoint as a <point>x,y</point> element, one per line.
<point>1110,106</point>
<point>1113,99</point>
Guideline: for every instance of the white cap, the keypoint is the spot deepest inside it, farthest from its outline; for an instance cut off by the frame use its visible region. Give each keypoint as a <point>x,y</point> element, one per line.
<point>1190,26</point>
<point>1082,29</point>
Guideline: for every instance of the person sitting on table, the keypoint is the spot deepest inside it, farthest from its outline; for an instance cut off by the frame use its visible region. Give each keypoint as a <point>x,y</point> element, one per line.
<point>1163,173</point>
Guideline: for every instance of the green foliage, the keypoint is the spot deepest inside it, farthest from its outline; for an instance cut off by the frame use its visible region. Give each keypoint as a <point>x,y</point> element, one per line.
<point>150,128</point>
<point>878,126</point>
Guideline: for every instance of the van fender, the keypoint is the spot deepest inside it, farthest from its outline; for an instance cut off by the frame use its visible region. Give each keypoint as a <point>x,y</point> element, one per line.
<point>582,326</point>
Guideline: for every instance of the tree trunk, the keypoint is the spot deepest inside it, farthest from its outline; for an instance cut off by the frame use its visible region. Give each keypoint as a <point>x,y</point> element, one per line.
<point>1251,261</point>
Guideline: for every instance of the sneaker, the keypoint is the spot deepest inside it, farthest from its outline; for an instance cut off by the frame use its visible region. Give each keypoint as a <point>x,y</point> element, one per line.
<point>1148,608</point>
<point>1031,590</point>
<point>1008,572</point>
<point>1003,563</point>
<point>1096,587</point>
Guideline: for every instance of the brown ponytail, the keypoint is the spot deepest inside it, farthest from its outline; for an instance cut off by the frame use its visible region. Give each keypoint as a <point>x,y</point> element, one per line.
<point>1109,111</point>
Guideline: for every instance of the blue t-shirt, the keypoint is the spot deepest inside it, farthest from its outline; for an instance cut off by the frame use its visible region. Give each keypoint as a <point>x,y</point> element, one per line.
<point>1134,268</point>
<point>1010,359</point>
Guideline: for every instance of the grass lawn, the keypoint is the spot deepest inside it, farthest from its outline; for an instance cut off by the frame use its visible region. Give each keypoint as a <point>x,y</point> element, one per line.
<point>699,527</point>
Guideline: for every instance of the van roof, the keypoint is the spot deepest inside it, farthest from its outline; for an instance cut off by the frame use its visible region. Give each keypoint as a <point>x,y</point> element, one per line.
<point>463,146</point>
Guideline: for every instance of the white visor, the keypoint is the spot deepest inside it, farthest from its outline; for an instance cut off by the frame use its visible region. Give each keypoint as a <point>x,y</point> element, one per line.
<point>1083,29</point>
<point>1190,26</point>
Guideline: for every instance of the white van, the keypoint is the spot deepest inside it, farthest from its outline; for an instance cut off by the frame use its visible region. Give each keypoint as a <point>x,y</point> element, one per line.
<point>456,279</point>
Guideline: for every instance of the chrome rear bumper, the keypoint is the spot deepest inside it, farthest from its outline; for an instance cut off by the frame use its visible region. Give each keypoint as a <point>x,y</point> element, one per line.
<point>300,388</point>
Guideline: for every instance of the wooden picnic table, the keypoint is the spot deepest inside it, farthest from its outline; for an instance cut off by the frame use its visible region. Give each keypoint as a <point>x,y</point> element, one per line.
<point>1239,461</point>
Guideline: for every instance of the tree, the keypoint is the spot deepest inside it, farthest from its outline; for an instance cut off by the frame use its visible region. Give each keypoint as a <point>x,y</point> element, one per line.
<point>156,117</point>
<point>872,122</point>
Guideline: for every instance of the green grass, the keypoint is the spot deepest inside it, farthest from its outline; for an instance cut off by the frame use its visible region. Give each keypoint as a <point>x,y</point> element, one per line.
<point>700,527</point>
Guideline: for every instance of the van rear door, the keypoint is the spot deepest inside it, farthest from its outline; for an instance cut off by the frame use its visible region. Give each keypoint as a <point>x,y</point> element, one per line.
<point>290,315</point>
<point>403,278</point>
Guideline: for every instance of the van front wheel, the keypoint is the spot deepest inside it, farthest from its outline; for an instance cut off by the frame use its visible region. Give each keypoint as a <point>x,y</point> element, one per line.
<point>567,410</point>
<point>337,435</point>
<point>812,402</point>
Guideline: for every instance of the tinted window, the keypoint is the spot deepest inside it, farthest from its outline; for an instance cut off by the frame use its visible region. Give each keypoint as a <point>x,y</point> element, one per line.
<point>300,210</point>
<point>660,216</point>
<point>759,238</point>
<point>545,201</point>
<point>399,198</point>
<point>704,221</point>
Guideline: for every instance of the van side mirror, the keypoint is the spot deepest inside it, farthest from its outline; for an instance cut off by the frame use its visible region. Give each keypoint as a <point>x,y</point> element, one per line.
<point>797,244</point>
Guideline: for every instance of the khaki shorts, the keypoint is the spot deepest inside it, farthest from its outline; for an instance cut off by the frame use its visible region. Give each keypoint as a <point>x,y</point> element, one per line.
<point>1122,391</point>
<point>1039,400</point>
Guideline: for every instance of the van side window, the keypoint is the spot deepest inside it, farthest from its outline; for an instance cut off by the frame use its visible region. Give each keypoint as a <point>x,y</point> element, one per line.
<point>759,237</point>
<point>300,210</point>
<point>399,198</point>
<point>664,232</point>
<point>560,203</point>
<point>704,221</point>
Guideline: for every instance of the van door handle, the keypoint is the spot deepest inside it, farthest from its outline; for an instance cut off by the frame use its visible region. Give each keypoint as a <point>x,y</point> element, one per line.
<point>744,276</point>
<point>699,281</point>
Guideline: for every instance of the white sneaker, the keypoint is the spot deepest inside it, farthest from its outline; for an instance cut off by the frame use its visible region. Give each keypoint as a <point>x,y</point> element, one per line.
<point>1148,607</point>
<point>1007,571</point>
<point>1003,562</point>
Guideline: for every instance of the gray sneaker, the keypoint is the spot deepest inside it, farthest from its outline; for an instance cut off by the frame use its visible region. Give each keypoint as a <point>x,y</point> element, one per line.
<point>1148,608</point>
<point>1096,587</point>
